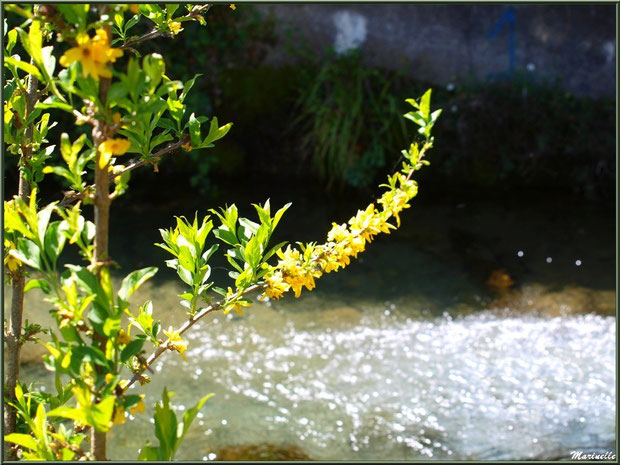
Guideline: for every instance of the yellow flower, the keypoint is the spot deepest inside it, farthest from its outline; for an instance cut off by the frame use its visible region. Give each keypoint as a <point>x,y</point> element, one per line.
<point>232,6</point>
<point>134,8</point>
<point>139,407</point>
<point>116,169</point>
<point>10,261</point>
<point>175,27</point>
<point>93,54</point>
<point>123,337</point>
<point>275,286</point>
<point>236,305</point>
<point>176,342</point>
<point>102,42</point>
<point>338,233</point>
<point>111,147</point>
<point>119,415</point>
<point>109,377</point>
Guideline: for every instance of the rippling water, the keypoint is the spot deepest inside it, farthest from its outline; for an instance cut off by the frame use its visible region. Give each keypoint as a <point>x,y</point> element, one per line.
<point>364,383</point>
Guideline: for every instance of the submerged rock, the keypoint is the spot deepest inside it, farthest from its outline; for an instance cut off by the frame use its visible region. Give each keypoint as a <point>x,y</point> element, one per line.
<point>570,300</point>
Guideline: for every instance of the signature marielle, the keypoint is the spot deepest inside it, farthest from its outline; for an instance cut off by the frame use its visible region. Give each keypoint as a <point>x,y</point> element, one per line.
<point>580,455</point>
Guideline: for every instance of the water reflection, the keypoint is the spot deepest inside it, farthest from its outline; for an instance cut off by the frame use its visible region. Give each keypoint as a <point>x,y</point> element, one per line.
<point>396,387</point>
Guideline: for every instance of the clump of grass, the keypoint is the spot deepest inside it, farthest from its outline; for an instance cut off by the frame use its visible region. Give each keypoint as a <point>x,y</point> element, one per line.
<point>349,118</point>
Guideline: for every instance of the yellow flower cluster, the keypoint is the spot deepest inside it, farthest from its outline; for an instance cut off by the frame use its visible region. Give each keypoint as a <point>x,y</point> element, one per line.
<point>176,342</point>
<point>293,271</point>
<point>93,54</point>
<point>233,303</point>
<point>119,411</point>
<point>344,241</point>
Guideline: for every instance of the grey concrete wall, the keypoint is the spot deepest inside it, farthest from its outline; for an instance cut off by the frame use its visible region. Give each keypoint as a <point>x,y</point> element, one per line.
<point>446,43</point>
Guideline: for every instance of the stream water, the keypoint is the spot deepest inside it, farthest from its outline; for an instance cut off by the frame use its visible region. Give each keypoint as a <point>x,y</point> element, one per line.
<point>412,353</point>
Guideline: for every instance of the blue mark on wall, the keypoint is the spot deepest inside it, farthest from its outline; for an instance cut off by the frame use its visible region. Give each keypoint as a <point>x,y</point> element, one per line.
<point>508,18</point>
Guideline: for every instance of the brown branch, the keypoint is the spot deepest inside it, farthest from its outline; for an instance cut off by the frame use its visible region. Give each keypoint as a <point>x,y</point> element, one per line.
<point>19,281</point>
<point>163,346</point>
<point>100,258</point>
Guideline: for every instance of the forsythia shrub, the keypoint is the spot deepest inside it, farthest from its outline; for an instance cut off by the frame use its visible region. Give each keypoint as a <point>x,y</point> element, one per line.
<point>129,106</point>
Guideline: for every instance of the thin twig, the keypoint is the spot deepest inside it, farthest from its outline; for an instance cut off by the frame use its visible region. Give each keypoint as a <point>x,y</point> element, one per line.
<point>152,158</point>
<point>198,10</point>
<point>188,324</point>
<point>163,346</point>
<point>72,196</point>
<point>149,35</point>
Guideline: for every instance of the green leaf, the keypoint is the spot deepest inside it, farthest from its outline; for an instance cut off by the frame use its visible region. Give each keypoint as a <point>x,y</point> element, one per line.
<point>185,275</point>
<point>38,284</point>
<point>253,251</point>
<point>111,326</point>
<point>185,259</point>
<point>117,91</point>
<point>28,253</point>
<point>24,66</point>
<point>133,348</point>
<point>43,218</point>
<point>149,453</point>
<point>35,41</point>
<point>170,9</point>
<point>89,283</point>
<point>278,216</point>
<point>54,242</point>
<point>187,87</point>
<point>101,414</point>
<point>194,130</point>
<point>165,426</point>
<point>49,60</point>
<point>11,41</point>
<point>53,102</point>
<point>225,235</point>
<point>24,440</point>
<point>74,13</point>
<point>417,118</point>
<point>134,280</point>
<point>215,133</point>
<point>166,123</point>
<point>207,255</point>
<point>273,250</point>
<point>119,20</point>
<point>59,171</point>
<point>188,418</point>
<point>425,104</point>
<point>160,139</point>
<point>71,413</point>
<point>132,22</point>
<point>40,430</point>
<point>155,68</point>
<point>413,103</point>
<point>244,279</point>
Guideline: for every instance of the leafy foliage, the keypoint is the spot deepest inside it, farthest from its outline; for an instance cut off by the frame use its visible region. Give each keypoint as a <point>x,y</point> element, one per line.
<point>132,106</point>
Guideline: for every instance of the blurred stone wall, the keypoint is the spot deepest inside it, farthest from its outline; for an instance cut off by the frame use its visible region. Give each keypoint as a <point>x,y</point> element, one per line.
<point>443,44</point>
